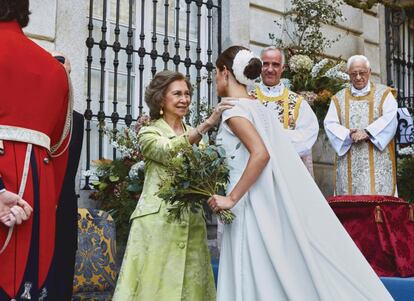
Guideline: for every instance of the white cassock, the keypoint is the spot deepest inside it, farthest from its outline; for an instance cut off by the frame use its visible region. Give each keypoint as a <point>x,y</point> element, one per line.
<point>373,109</point>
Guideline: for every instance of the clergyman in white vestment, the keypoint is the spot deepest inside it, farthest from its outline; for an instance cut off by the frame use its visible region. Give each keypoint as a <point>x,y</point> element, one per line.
<point>361,123</point>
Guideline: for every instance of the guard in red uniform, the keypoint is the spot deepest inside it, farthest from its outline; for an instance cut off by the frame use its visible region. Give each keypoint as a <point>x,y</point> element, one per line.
<point>35,126</point>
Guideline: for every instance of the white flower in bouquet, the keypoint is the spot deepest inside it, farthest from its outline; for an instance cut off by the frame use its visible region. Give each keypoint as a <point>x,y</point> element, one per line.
<point>300,62</point>
<point>286,82</point>
<point>318,67</point>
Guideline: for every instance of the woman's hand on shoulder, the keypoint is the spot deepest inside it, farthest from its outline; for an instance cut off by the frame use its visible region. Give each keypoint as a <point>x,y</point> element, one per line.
<point>225,104</point>
<point>219,202</point>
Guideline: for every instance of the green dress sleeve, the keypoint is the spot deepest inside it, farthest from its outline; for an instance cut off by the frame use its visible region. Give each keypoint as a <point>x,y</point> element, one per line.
<point>159,148</point>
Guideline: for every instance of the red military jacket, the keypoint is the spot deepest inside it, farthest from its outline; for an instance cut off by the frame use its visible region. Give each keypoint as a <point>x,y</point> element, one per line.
<point>34,95</point>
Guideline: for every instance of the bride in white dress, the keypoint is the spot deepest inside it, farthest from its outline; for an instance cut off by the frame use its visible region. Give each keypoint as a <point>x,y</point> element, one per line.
<point>285,242</point>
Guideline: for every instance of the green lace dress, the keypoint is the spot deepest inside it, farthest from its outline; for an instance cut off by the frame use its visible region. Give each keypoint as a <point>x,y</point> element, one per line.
<point>165,260</point>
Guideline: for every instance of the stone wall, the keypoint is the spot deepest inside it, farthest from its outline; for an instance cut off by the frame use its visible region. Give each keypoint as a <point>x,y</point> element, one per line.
<point>52,27</point>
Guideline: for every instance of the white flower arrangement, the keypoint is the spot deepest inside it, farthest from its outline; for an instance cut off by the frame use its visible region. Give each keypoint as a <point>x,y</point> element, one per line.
<point>119,142</point>
<point>240,62</point>
<point>316,69</point>
<point>336,72</point>
<point>300,62</point>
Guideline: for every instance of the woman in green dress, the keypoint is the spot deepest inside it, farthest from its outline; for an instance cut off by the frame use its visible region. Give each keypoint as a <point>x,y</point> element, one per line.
<point>166,260</point>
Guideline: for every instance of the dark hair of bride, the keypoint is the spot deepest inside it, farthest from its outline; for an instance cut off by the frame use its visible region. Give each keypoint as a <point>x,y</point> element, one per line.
<point>226,58</point>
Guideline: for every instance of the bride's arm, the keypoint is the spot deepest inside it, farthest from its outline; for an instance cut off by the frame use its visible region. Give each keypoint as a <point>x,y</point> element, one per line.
<point>258,159</point>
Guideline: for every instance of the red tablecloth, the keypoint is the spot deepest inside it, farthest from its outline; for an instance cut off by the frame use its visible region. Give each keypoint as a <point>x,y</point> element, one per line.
<point>383,229</point>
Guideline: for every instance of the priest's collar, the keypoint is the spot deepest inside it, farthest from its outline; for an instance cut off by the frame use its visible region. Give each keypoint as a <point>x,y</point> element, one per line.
<point>364,91</point>
<point>272,90</point>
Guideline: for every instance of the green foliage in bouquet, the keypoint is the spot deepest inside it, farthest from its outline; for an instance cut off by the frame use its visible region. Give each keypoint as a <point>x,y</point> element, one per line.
<point>317,83</point>
<point>193,176</point>
<point>405,177</point>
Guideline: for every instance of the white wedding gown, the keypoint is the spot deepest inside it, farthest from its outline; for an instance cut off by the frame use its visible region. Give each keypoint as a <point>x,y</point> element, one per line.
<point>285,242</point>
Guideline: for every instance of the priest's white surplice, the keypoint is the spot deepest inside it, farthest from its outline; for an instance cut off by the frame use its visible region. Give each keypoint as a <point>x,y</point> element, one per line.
<point>375,110</point>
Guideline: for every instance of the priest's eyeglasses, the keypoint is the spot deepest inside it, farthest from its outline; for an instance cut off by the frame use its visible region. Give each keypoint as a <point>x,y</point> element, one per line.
<point>360,73</point>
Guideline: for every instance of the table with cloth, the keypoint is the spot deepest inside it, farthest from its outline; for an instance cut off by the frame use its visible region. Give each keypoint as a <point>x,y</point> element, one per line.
<point>383,229</point>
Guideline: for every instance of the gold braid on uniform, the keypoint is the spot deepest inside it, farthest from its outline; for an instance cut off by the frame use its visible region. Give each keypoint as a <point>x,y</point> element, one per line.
<point>67,129</point>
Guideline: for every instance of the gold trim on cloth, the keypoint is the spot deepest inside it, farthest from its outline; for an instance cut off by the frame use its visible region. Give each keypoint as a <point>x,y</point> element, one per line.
<point>391,145</point>
<point>338,112</point>
<point>348,156</point>
<point>338,109</point>
<point>67,129</point>
<point>296,109</point>
<point>260,95</point>
<point>370,145</point>
<point>19,134</point>
<point>286,114</point>
<point>384,96</point>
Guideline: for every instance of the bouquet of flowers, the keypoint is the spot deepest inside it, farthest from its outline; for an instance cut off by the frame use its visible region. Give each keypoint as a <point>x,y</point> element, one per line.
<point>316,82</point>
<point>193,176</point>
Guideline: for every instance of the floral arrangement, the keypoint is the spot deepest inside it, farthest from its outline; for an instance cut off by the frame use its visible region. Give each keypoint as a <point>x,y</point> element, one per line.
<point>316,82</point>
<point>193,176</point>
<point>299,62</point>
<point>119,182</point>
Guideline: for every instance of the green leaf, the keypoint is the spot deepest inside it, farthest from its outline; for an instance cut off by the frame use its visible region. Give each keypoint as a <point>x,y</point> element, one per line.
<point>113,178</point>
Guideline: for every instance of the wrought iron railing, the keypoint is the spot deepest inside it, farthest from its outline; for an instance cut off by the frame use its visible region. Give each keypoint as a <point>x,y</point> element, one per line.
<point>128,42</point>
<point>400,68</point>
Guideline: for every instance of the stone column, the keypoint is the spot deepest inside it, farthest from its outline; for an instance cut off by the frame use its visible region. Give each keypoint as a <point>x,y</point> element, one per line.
<point>42,24</point>
<point>235,23</point>
<point>382,44</point>
<point>71,33</point>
